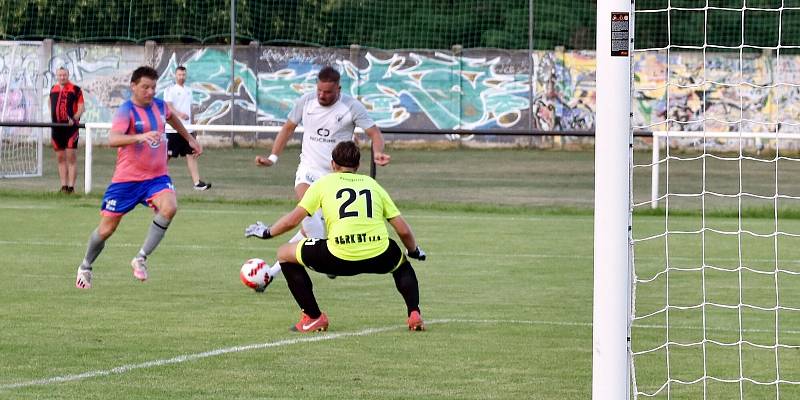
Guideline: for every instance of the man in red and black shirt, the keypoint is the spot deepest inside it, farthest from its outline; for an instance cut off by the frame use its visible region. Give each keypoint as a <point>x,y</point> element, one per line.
<point>66,106</point>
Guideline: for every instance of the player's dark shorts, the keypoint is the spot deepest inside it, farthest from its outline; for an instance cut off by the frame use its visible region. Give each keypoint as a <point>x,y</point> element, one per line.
<point>177,146</point>
<point>64,138</point>
<point>121,197</point>
<point>314,254</point>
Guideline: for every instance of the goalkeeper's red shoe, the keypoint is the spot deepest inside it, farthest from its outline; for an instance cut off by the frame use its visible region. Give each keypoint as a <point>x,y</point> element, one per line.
<point>415,322</point>
<point>308,324</point>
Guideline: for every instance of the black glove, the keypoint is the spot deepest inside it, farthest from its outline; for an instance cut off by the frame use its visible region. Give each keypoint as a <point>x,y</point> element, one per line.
<point>417,254</point>
<point>258,230</point>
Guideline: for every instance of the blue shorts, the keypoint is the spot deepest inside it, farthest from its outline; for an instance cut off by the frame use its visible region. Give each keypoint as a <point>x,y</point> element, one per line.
<point>122,197</point>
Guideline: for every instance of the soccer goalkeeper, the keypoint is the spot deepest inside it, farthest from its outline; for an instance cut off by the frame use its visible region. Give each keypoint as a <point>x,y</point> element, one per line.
<point>354,207</point>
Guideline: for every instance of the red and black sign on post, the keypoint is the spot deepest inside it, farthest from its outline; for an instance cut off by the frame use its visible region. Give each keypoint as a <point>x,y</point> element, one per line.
<point>620,34</point>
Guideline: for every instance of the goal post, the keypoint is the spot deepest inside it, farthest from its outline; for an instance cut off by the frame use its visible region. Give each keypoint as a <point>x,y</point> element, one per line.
<point>98,129</point>
<point>613,138</point>
<point>20,101</point>
<point>665,136</point>
<point>21,152</point>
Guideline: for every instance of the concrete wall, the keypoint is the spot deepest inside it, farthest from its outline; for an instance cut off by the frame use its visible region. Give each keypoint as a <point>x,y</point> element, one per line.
<point>469,89</point>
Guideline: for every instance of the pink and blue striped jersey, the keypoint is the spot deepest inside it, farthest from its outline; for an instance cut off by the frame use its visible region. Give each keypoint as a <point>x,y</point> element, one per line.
<point>141,161</point>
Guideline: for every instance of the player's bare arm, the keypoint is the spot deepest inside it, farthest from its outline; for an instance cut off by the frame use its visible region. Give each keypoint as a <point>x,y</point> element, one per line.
<point>176,123</point>
<point>175,111</point>
<point>283,224</point>
<point>288,221</point>
<point>119,139</point>
<point>287,130</point>
<point>403,230</point>
<point>375,135</point>
<point>77,116</point>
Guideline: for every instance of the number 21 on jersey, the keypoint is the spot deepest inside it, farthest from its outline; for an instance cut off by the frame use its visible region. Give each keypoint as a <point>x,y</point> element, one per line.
<point>347,209</point>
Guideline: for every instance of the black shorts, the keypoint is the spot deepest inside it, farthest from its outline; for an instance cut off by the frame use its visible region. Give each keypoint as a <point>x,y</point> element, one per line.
<point>177,146</point>
<point>315,255</point>
<point>64,138</point>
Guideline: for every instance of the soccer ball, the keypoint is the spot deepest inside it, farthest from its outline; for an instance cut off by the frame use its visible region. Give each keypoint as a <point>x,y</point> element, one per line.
<point>254,274</point>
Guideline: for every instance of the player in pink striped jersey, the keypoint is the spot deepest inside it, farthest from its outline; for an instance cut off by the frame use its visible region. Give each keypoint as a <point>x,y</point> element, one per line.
<point>141,175</point>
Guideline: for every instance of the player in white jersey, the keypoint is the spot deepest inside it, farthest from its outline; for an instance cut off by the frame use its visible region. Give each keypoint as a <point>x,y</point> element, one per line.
<point>179,97</point>
<point>328,118</point>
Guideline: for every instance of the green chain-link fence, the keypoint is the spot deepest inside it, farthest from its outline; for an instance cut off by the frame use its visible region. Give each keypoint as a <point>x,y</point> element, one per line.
<point>433,24</point>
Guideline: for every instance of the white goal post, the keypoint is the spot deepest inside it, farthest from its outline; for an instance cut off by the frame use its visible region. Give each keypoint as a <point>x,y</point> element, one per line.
<point>21,152</point>
<point>613,139</point>
<point>20,101</point>
<point>91,128</point>
<point>655,195</point>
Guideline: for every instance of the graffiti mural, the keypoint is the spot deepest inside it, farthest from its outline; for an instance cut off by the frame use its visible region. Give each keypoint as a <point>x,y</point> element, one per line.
<point>565,95</point>
<point>20,81</point>
<point>103,72</point>
<point>718,92</point>
<point>475,89</point>
<point>440,91</point>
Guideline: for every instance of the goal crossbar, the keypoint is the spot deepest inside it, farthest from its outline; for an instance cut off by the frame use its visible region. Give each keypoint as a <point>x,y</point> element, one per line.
<point>93,127</point>
<point>658,136</point>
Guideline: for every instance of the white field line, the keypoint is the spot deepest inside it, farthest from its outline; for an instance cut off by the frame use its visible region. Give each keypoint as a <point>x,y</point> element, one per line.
<point>318,338</point>
<point>238,349</point>
<point>258,246</point>
<point>260,214</point>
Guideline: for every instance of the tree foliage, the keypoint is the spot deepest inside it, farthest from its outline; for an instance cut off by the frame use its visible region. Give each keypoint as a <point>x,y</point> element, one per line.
<point>433,24</point>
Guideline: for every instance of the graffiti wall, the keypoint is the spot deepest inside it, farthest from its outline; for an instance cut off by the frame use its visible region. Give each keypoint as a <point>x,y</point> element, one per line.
<point>718,92</point>
<point>103,72</point>
<point>564,95</point>
<point>472,89</point>
<point>21,81</point>
<point>412,89</point>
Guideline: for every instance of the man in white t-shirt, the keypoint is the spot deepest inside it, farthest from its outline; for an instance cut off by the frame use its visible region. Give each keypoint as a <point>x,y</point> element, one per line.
<point>328,118</point>
<point>179,98</point>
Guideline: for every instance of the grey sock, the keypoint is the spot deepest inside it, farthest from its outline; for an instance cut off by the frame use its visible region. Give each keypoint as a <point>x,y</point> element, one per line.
<point>157,230</point>
<point>93,250</point>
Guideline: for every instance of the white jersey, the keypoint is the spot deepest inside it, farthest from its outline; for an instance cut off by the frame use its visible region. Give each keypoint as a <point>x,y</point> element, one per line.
<point>181,99</point>
<point>325,127</point>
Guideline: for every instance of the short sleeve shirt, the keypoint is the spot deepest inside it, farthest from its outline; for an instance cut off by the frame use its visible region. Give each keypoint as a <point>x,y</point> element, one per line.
<point>141,161</point>
<point>325,127</point>
<point>64,101</point>
<point>181,99</point>
<point>355,208</point>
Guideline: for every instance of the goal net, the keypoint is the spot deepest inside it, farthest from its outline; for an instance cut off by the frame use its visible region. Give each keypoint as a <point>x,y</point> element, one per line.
<point>716,267</point>
<point>20,101</point>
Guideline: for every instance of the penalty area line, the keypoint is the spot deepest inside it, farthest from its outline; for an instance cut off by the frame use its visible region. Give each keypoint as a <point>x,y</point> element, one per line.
<point>236,349</point>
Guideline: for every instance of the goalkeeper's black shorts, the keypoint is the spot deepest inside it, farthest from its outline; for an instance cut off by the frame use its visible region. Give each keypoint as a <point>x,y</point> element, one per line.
<point>314,254</point>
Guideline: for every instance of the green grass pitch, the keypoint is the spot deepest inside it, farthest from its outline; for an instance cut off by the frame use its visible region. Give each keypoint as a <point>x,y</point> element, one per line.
<point>506,291</point>
<point>508,317</point>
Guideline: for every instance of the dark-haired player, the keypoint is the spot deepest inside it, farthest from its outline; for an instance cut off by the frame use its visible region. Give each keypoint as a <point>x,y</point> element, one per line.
<point>355,208</point>
<point>140,176</point>
<point>328,118</point>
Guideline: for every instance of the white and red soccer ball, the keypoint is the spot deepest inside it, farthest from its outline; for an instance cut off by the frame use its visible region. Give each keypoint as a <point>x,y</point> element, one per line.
<point>254,274</point>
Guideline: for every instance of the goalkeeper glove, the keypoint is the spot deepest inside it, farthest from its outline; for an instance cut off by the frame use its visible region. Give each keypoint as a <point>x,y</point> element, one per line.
<point>417,254</point>
<point>259,230</point>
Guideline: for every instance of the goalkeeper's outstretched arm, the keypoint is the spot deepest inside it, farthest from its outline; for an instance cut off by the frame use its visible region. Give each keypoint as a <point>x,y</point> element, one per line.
<point>284,223</point>
<point>289,221</point>
<point>403,230</point>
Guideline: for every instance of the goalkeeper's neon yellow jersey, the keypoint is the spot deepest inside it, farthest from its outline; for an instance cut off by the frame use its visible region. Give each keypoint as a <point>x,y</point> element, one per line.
<point>354,207</point>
